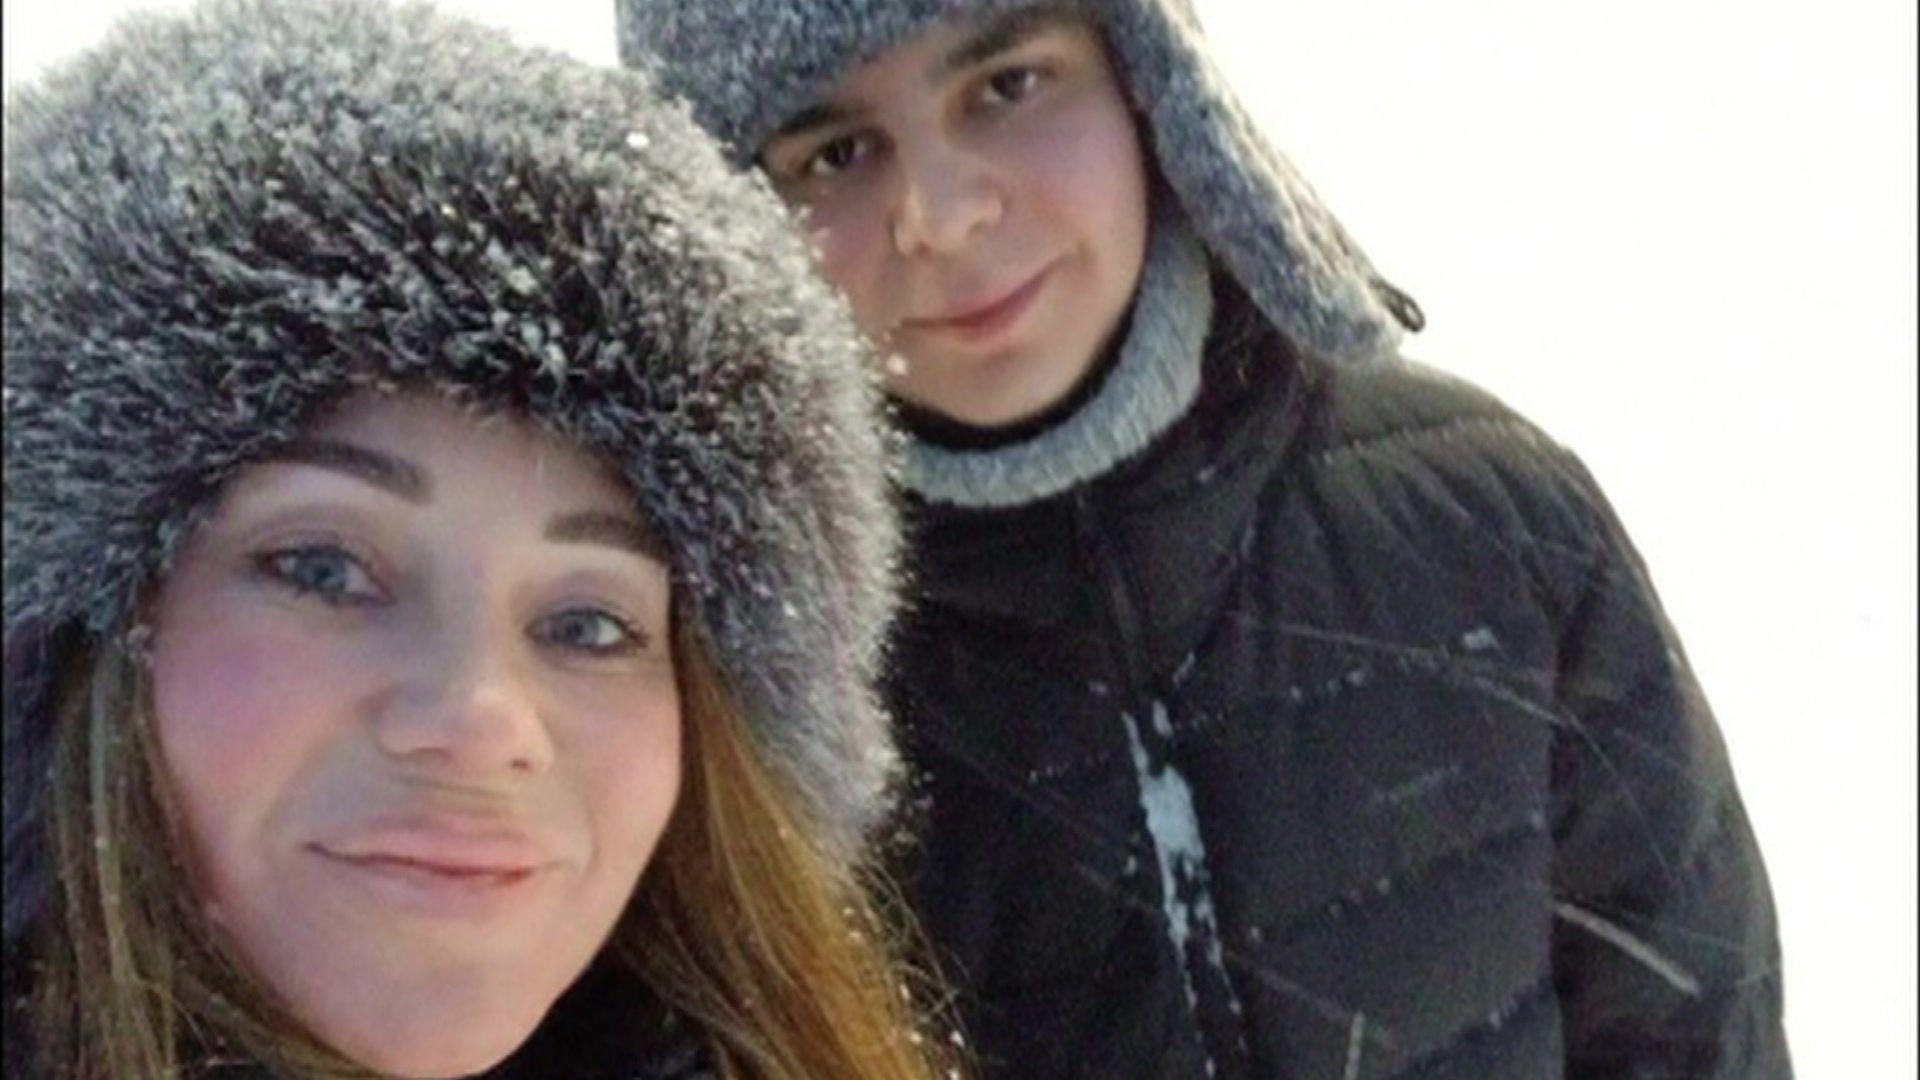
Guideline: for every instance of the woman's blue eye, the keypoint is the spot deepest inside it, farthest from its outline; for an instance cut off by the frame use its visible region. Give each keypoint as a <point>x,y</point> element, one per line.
<point>325,571</point>
<point>587,630</point>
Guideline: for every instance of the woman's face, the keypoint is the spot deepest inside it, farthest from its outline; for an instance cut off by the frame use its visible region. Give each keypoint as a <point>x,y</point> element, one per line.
<point>413,691</point>
<point>980,195</point>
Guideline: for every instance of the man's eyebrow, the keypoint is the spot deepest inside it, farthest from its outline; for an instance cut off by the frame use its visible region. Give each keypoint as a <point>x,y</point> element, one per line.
<point>612,530</point>
<point>1008,32</point>
<point>384,471</point>
<point>820,115</point>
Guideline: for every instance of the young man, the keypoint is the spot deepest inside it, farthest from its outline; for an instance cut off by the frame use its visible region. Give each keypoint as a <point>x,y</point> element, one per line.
<point>1278,708</point>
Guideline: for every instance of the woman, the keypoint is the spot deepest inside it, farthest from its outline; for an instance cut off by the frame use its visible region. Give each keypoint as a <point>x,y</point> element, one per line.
<point>1282,708</point>
<point>446,551</point>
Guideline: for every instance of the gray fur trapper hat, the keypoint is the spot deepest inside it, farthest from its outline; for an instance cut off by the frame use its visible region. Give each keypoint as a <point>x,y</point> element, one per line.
<point>220,225</point>
<point>746,66</point>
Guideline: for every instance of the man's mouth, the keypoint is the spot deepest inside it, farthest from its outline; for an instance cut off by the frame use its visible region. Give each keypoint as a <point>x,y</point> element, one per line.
<point>978,319</point>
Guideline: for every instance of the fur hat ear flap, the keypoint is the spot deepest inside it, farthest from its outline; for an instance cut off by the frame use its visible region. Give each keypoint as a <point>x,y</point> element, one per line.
<point>1249,205</point>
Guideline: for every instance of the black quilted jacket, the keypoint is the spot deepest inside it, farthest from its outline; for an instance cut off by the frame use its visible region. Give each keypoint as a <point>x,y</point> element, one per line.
<point>1338,735</point>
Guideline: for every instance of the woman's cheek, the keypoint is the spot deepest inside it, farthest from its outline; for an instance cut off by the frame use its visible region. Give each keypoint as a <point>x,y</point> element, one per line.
<point>630,730</point>
<point>630,759</point>
<point>241,701</point>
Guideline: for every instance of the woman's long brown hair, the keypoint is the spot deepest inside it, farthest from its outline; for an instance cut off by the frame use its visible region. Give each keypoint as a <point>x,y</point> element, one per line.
<point>788,961</point>
<point>787,957</point>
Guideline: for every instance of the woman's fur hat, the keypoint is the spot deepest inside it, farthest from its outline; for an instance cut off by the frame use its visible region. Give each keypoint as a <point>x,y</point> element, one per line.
<point>220,225</point>
<point>748,65</point>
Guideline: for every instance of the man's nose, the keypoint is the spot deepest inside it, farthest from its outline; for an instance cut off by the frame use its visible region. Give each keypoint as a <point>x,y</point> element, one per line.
<point>946,196</point>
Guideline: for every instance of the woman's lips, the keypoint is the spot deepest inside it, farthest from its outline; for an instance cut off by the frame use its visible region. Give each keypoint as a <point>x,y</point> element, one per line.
<point>442,890</point>
<point>441,872</point>
<point>988,319</point>
<point>441,844</point>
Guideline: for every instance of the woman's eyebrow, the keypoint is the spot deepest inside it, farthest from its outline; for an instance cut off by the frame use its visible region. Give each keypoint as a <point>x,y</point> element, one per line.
<point>1001,35</point>
<point>391,474</point>
<point>612,530</point>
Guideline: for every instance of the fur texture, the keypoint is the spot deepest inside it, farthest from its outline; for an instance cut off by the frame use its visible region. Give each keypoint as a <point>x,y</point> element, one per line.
<point>220,225</point>
<point>747,65</point>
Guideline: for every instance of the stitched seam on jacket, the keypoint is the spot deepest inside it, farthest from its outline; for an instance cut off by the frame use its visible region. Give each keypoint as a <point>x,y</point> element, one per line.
<point>1252,717</point>
<point>1359,900</point>
<point>1631,945</point>
<point>1530,437</point>
<point>1523,999</point>
<point>1510,542</point>
<point>1722,821</point>
<point>1531,440</point>
<point>1607,907</point>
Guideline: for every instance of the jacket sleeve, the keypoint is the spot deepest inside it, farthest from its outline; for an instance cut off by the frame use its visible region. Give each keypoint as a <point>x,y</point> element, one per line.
<point>1666,953</point>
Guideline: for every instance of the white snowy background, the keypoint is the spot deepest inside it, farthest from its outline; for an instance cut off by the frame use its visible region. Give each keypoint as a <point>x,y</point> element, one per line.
<point>1680,234</point>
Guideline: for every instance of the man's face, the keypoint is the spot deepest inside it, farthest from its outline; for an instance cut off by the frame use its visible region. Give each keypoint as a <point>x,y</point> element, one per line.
<point>979,194</point>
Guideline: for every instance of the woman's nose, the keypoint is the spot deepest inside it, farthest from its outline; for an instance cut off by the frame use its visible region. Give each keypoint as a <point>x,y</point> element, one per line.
<point>464,702</point>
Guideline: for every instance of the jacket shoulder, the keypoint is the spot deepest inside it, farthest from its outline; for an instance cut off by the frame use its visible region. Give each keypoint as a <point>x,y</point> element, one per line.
<point>1394,426</point>
<point>1405,401</point>
<point>1415,467</point>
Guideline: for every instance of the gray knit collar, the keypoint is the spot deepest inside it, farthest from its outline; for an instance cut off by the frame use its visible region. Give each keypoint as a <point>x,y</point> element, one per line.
<point>1153,381</point>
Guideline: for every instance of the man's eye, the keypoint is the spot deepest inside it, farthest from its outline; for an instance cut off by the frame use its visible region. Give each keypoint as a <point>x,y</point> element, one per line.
<point>1008,85</point>
<point>836,156</point>
<point>588,630</point>
<point>325,571</point>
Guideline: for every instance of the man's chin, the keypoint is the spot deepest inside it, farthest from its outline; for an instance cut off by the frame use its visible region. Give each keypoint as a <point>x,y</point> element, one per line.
<point>984,401</point>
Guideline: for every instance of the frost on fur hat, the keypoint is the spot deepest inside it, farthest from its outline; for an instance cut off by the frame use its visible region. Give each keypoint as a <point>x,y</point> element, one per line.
<point>219,225</point>
<point>748,65</point>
